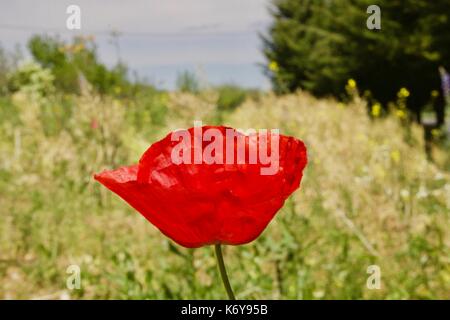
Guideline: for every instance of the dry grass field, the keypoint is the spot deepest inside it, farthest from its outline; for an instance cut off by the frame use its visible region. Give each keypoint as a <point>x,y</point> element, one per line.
<point>369,197</point>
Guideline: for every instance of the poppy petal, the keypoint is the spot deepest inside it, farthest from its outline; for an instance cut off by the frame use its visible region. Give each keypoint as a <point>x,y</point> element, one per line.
<point>201,204</point>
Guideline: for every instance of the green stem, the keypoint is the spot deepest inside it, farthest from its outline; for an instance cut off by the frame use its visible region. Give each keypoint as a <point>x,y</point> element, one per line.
<point>223,271</point>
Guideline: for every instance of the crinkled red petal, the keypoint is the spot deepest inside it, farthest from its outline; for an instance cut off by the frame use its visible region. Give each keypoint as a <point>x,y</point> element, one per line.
<point>201,204</point>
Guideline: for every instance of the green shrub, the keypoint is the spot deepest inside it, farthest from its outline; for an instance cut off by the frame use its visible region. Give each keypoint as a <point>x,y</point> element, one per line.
<point>69,63</point>
<point>32,78</point>
<point>230,97</point>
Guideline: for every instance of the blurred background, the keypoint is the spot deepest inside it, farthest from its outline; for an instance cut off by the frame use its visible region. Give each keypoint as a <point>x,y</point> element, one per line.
<point>372,105</point>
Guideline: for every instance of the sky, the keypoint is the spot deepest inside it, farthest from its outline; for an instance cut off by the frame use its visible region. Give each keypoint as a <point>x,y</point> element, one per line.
<point>216,39</point>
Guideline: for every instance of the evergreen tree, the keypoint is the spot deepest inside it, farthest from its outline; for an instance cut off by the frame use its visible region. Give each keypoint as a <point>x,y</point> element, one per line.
<point>319,45</point>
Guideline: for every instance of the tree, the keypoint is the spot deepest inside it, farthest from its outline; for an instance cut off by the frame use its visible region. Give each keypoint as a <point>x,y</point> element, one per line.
<point>319,45</point>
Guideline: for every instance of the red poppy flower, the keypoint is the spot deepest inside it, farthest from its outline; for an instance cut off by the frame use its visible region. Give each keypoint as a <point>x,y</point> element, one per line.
<point>202,203</point>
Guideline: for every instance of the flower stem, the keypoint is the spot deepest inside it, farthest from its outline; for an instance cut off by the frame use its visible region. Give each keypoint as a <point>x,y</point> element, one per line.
<point>223,272</point>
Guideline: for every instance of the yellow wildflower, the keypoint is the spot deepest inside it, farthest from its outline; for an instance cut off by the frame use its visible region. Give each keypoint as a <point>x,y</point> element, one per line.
<point>435,93</point>
<point>376,110</point>
<point>78,47</point>
<point>351,83</point>
<point>403,93</point>
<point>400,114</point>
<point>395,156</point>
<point>435,133</point>
<point>273,66</point>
